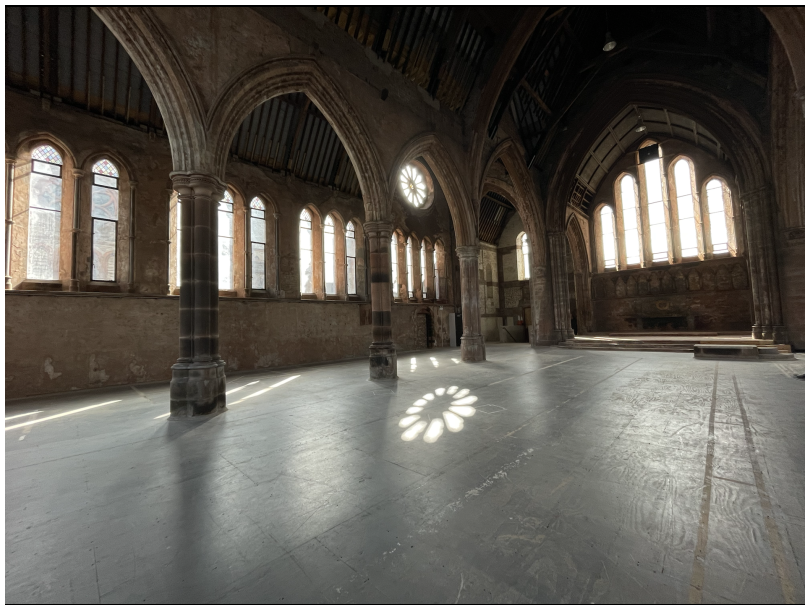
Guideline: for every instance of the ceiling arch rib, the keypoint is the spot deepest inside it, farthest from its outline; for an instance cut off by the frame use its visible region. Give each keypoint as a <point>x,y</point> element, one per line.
<point>620,138</point>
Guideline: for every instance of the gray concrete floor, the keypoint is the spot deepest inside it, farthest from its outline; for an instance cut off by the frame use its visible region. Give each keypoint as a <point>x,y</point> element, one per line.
<point>580,477</point>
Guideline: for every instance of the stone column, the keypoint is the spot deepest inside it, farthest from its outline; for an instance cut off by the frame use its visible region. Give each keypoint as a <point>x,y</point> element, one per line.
<point>382,353</point>
<point>559,275</point>
<point>472,342</point>
<point>198,377</point>
<point>131,278</point>
<point>74,233</point>
<point>10,161</point>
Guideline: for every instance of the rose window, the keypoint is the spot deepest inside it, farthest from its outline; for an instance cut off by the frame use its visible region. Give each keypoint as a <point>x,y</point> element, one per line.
<point>414,185</point>
<point>444,408</point>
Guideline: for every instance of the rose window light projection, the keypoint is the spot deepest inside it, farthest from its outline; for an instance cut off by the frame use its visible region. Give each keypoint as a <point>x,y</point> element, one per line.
<point>435,411</point>
<point>414,186</point>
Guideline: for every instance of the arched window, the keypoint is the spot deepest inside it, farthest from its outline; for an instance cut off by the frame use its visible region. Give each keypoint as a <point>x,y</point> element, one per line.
<point>423,268</point>
<point>305,252</point>
<point>522,251</point>
<point>225,224</point>
<point>329,255</point>
<point>630,216</point>
<point>104,214</point>
<point>44,214</point>
<point>721,216</point>
<point>685,197</point>
<point>435,275</point>
<point>409,265</point>
<point>656,211</point>
<point>608,237</point>
<point>258,242</point>
<point>178,232</point>
<point>394,266</point>
<point>351,260</point>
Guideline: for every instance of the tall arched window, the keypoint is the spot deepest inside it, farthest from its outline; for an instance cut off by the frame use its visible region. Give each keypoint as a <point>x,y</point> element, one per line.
<point>394,266</point>
<point>608,237</point>
<point>630,216</point>
<point>435,275</point>
<point>104,214</point>
<point>178,232</point>
<point>423,269</point>
<point>522,251</point>
<point>305,252</point>
<point>258,242</point>
<point>329,255</point>
<point>721,217</point>
<point>225,223</point>
<point>409,265</point>
<point>351,259</point>
<point>685,197</point>
<point>44,214</point>
<point>656,210</point>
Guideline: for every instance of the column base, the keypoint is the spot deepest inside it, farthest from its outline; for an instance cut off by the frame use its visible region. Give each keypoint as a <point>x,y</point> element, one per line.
<point>382,361</point>
<point>197,388</point>
<point>756,331</point>
<point>780,335</point>
<point>472,348</point>
<point>8,283</point>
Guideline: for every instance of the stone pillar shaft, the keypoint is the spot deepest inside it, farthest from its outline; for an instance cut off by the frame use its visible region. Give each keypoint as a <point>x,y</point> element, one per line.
<point>10,161</point>
<point>198,377</point>
<point>559,274</point>
<point>382,356</point>
<point>472,342</point>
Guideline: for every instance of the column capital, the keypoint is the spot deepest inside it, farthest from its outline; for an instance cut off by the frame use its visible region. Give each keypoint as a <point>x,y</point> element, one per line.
<point>78,173</point>
<point>133,184</point>
<point>11,159</point>
<point>467,251</point>
<point>379,227</point>
<point>197,183</point>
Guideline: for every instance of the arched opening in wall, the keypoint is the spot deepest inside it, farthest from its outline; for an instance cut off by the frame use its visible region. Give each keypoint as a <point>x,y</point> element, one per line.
<point>425,332</point>
<point>572,287</point>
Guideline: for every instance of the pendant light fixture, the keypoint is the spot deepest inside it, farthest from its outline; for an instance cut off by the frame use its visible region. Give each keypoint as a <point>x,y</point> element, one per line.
<point>640,126</point>
<point>610,44</point>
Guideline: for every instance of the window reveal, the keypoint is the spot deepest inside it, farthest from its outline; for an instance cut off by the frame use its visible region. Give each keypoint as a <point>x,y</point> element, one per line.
<point>258,244</point>
<point>44,214</point>
<point>104,214</point>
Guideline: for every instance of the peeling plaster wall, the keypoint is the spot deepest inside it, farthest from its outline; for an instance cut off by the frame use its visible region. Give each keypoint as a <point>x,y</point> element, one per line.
<point>84,341</point>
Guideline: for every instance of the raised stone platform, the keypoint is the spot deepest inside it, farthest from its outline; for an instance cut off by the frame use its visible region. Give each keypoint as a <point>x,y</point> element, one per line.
<point>683,342</point>
<point>740,352</point>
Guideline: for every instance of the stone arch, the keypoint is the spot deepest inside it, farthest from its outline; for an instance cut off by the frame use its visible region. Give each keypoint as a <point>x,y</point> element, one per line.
<point>151,48</point>
<point>582,274</point>
<point>276,77</point>
<point>429,147</point>
<point>28,142</point>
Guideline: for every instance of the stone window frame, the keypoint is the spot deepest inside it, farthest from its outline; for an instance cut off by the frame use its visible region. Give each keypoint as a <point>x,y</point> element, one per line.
<point>618,220</point>
<point>599,242</point>
<point>440,271</point>
<point>521,256</point>
<point>341,293</point>
<point>20,189</point>
<point>647,257</point>
<point>732,219</point>
<point>697,210</point>
<point>317,254</point>
<point>396,242</point>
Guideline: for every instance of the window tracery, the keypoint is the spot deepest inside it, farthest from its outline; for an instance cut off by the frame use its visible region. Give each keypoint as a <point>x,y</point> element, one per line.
<point>104,214</point>
<point>414,185</point>
<point>44,214</point>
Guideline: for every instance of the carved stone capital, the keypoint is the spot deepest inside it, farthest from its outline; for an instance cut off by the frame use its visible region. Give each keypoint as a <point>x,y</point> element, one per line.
<point>78,173</point>
<point>467,251</point>
<point>193,184</point>
<point>378,228</point>
<point>10,159</point>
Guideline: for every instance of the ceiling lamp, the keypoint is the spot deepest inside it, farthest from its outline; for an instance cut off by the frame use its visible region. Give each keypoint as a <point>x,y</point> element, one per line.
<point>610,44</point>
<point>640,126</point>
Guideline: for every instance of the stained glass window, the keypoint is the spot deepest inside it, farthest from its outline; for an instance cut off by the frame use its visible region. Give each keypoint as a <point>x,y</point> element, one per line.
<point>258,242</point>
<point>685,191</point>
<point>409,266</point>
<point>719,215</point>
<point>44,214</point>
<point>225,232</point>
<point>305,252</point>
<point>608,238</point>
<point>656,211</point>
<point>423,268</point>
<point>329,256</point>
<point>394,267</point>
<point>632,243</point>
<point>104,212</point>
<point>351,259</point>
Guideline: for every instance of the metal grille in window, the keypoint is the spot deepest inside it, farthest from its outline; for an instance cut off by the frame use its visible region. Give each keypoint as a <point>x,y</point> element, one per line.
<point>104,211</point>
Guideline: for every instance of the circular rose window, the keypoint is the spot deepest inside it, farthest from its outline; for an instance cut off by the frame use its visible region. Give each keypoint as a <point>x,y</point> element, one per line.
<point>414,185</point>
